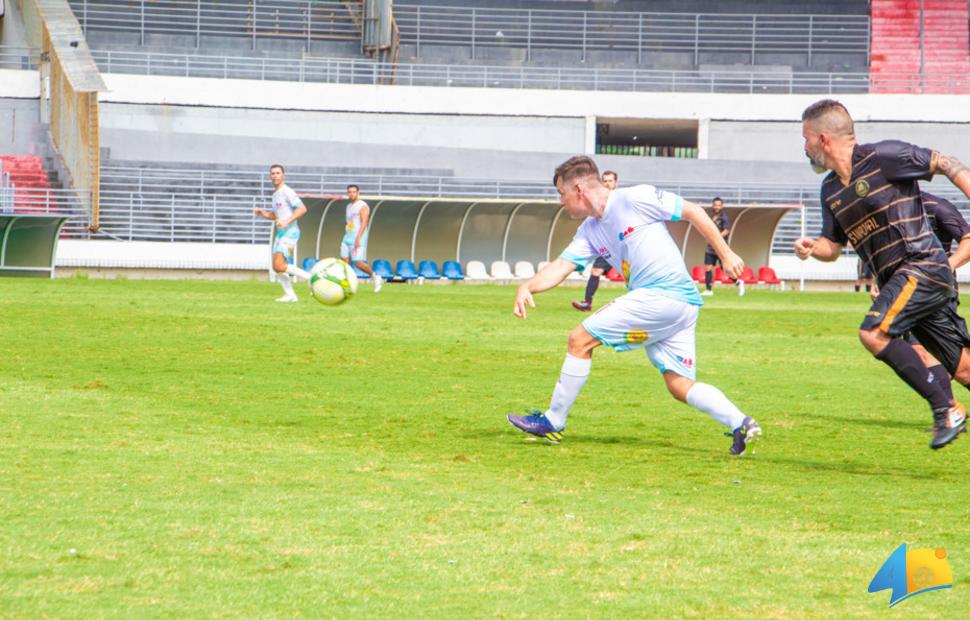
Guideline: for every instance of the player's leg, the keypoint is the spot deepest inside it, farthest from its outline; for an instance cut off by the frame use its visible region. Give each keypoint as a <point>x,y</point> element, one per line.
<point>282,257</point>
<point>936,368</point>
<point>572,377</point>
<point>900,306</point>
<point>359,256</point>
<point>710,260</point>
<point>673,354</point>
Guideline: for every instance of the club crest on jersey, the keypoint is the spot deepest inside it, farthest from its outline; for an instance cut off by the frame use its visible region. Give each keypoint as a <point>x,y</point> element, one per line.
<point>626,233</point>
<point>862,188</point>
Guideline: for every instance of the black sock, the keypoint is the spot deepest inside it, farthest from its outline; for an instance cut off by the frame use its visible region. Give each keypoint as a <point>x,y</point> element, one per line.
<point>868,288</point>
<point>900,356</point>
<point>941,376</point>
<point>708,277</point>
<point>856,288</point>
<point>591,285</point>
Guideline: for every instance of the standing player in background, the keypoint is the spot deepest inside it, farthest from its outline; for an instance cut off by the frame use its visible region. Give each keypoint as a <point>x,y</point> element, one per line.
<point>600,265</point>
<point>657,314</point>
<point>711,259</point>
<point>871,198</point>
<point>287,209</point>
<point>863,275</point>
<point>353,247</point>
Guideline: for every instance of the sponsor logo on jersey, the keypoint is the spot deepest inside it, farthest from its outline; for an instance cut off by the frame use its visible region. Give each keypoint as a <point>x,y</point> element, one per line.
<point>636,336</point>
<point>626,233</point>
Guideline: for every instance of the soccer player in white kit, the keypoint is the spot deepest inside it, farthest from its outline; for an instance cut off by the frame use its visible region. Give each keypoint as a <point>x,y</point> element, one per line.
<point>658,314</point>
<point>287,209</point>
<point>353,246</point>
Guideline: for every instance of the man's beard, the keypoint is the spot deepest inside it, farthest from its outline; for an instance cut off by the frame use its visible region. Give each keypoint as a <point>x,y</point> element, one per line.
<point>817,166</point>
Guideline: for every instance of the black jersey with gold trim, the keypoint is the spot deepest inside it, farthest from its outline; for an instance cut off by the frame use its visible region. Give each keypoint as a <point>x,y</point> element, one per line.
<point>881,214</point>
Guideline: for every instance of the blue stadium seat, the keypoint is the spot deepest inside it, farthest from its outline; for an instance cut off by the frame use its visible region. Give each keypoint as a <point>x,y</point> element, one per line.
<point>383,269</point>
<point>452,270</point>
<point>308,263</point>
<point>361,275</point>
<point>428,269</point>
<point>406,270</point>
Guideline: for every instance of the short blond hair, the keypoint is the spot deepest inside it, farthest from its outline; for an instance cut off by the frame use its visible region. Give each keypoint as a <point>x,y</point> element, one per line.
<point>830,116</point>
<point>578,167</point>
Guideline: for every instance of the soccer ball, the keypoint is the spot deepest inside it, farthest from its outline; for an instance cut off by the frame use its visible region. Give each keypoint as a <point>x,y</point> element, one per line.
<point>332,281</point>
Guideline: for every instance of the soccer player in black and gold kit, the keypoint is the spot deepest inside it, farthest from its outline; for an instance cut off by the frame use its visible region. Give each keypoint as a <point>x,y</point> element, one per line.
<point>871,198</point>
<point>948,225</point>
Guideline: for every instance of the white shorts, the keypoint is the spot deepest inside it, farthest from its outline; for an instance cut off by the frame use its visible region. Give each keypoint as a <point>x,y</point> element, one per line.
<point>347,252</point>
<point>661,325</point>
<point>286,245</point>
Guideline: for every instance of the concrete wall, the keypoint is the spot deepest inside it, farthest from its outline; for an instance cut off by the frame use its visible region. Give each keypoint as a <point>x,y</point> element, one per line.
<point>21,132</point>
<point>782,141</point>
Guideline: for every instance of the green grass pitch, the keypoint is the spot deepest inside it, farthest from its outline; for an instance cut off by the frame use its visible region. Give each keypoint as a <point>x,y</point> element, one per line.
<point>193,449</point>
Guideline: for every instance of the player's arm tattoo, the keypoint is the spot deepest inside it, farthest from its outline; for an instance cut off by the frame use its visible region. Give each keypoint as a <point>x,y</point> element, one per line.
<point>950,166</point>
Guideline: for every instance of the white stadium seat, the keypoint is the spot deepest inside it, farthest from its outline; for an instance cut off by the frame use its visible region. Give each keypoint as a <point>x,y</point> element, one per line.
<point>524,270</point>
<point>501,270</point>
<point>475,270</point>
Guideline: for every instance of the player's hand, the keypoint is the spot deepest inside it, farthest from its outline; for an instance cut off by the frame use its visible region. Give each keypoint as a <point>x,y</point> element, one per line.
<point>282,223</point>
<point>733,265</point>
<point>804,247</point>
<point>356,244</point>
<point>522,297</point>
<point>874,291</point>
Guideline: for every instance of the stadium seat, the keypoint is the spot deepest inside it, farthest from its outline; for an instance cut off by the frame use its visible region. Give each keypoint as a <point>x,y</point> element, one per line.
<point>720,276</point>
<point>475,270</point>
<point>747,276</point>
<point>501,271</point>
<point>524,269</point>
<point>451,269</point>
<point>766,275</point>
<point>406,271</point>
<point>697,273</point>
<point>614,276</point>
<point>383,269</point>
<point>428,269</point>
<point>308,263</point>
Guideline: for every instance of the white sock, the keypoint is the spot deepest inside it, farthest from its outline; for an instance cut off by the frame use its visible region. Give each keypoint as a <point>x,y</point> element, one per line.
<point>714,403</point>
<point>286,283</point>
<point>575,370</point>
<point>293,270</point>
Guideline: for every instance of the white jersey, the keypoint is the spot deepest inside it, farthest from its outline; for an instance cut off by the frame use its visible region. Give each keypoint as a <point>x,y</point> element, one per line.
<point>354,223</point>
<point>633,237</point>
<point>285,201</point>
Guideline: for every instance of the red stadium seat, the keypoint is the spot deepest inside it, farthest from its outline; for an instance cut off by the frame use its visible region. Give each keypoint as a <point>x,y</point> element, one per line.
<point>747,276</point>
<point>697,273</point>
<point>614,276</point>
<point>766,275</point>
<point>719,276</point>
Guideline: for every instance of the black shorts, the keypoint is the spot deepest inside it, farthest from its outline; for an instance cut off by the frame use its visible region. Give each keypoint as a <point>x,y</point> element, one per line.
<point>910,306</point>
<point>711,258</point>
<point>601,263</point>
<point>862,271</point>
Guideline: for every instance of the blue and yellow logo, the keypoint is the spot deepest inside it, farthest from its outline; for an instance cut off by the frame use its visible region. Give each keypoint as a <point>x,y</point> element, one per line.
<point>912,572</point>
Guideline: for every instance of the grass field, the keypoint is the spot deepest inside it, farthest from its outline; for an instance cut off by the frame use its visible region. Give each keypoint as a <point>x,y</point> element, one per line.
<point>192,449</point>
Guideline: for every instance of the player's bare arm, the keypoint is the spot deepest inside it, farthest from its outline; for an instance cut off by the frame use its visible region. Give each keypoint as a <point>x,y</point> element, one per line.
<point>549,277</point>
<point>699,219</point>
<point>822,249</point>
<point>953,169</point>
<point>269,215</point>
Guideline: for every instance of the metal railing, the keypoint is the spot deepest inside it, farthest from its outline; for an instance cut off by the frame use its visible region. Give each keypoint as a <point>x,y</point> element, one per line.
<point>745,37</point>
<point>32,200</point>
<point>21,58</point>
<point>363,71</point>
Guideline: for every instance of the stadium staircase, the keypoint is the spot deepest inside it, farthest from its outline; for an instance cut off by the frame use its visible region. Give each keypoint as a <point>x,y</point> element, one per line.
<point>26,174</point>
<point>895,47</point>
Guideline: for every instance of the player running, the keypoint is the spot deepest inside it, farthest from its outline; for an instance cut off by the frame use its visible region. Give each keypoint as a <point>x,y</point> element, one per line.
<point>353,247</point>
<point>658,314</point>
<point>871,198</point>
<point>287,209</point>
